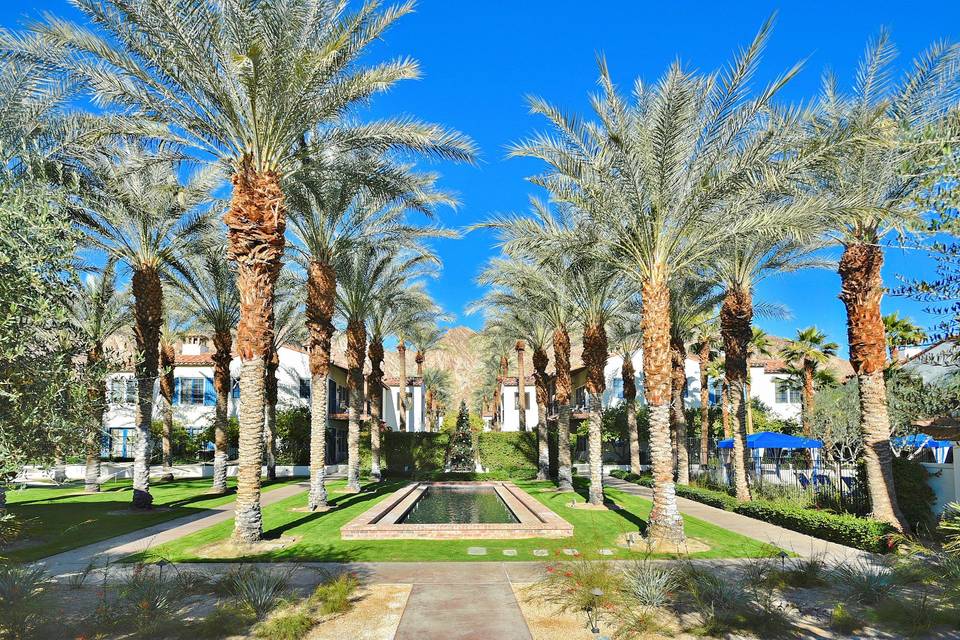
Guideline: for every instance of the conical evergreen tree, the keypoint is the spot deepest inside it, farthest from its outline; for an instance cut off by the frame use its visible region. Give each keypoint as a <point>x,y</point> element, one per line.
<point>461,455</point>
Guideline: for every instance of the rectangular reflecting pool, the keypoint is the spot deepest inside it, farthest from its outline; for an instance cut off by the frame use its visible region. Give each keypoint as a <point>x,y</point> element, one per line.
<point>459,504</point>
<point>457,511</point>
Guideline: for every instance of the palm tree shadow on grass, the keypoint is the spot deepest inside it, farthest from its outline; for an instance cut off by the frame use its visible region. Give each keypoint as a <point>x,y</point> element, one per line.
<point>339,503</point>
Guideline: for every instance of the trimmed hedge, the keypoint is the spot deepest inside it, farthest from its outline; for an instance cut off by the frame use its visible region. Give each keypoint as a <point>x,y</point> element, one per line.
<point>862,533</point>
<point>407,453</point>
<point>513,454</point>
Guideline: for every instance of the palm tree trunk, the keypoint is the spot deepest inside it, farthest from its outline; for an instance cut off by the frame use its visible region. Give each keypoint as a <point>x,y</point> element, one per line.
<point>747,393</point>
<point>256,221</point>
<point>375,388</point>
<point>356,349</point>
<point>561,351</point>
<point>678,384</point>
<point>808,370</point>
<point>736,316</point>
<point>630,400</point>
<point>402,395</point>
<point>270,415</point>
<point>418,359</point>
<point>167,357</point>
<point>861,292</point>
<point>222,344</point>
<point>704,404</point>
<point>98,414</point>
<point>147,305</point>
<point>428,401</point>
<point>595,358</point>
<point>321,298</point>
<point>540,362</point>
<point>725,408</point>
<point>521,387</point>
<point>665,525</point>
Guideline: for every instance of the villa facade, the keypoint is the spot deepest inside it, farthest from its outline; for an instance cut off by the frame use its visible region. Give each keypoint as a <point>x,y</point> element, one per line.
<point>416,412</point>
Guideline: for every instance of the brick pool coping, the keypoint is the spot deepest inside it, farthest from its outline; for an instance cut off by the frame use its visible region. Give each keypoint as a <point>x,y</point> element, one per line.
<point>380,522</point>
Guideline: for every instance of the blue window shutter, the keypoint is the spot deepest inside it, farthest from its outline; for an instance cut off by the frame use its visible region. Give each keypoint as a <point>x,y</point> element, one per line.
<point>209,393</point>
<point>176,391</point>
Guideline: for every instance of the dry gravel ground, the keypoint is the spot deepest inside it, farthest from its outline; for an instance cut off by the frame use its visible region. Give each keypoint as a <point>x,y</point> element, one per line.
<point>375,615</point>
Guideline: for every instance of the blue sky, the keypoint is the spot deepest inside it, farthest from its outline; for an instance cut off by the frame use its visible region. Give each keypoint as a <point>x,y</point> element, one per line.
<point>480,60</point>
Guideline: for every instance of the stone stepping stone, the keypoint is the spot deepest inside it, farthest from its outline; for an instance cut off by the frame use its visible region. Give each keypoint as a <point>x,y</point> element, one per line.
<point>571,552</point>
<point>476,551</point>
<point>541,553</point>
<point>510,552</point>
<point>606,552</point>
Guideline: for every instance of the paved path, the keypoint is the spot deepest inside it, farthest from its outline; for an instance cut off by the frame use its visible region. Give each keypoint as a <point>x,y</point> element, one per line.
<point>142,539</point>
<point>799,543</point>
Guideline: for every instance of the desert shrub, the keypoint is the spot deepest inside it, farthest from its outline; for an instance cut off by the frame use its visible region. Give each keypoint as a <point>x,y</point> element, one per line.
<point>804,573</point>
<point>147,599</point>
<point>569,585</point>
<point>949,528</point>
<point>649,584</point>
<point>259,590</point>
<point>290,624</point>
<point>228,619</point>
<point>914,493</point>
<point>719,601</point>
<point>843,621</point>
<point>334,594</point>
<point>910,616</point>
<point>191,582</point>
<point>23,599</point>
<point>77,580</point>
<point>511,453</point>
<point>863,581</point>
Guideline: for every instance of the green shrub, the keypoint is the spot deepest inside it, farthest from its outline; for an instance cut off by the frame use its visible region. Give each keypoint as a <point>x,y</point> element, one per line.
<point>843,621</point>
<point>23,599</point>
<point>290,624</point>
<point>862,533</point>
<point>406,453</point>
<point>335,594</point>
<point>914,493</point>
<point>293,436</point>
<point>511,453</point>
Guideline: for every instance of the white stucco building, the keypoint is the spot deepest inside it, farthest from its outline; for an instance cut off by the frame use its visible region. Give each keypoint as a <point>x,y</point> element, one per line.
<point>194,397</point>
<point>510,402</point>
<point>415,418</point>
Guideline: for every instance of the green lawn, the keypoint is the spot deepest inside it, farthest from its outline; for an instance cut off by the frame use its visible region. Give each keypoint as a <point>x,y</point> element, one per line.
<point>319,540</point>
<point>63,518</point>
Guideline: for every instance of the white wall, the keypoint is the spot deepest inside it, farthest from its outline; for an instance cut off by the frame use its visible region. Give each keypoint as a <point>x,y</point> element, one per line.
<point>511,416</point>
<point>944,479</point>
<point>415,408</point>
<point>122,416</point>
<point>763,386</point>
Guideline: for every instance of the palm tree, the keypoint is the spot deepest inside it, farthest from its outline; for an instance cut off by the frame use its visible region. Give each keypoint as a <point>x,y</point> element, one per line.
<point>496,345</point>
<point>760,344</point>
<point>99,311</point>
<point>715,371</point>
<point>209,293</point>
<point>288,328</point>
<point>896,148</point>
<point>360,275</point>
<point>337,205</point>
<point>653,176</point>
<point>436,389</point>
<point>391,310</point>
<point>510,312</point>
<point>541,276</point>
<point>705,340</point>
<point>692,304</point>
<point>263,95</point>
<point>520,347</point>
<point>625,341</point>
<point>810,349</point>
<point>172,331</point>
<point>741,264</point>
<point>901,332</point>
<point>426,337</point>
<point>140,214</point>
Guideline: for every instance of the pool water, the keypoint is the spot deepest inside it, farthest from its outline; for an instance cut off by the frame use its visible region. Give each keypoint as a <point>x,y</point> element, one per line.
<point>459,505</point>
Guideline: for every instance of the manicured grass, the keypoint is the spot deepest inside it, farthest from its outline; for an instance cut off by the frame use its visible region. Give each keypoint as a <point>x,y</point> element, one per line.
<point>62,518</point>
<point>319,540</point>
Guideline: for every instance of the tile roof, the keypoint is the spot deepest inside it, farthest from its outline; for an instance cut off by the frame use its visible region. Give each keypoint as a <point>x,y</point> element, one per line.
<point>412,381</point>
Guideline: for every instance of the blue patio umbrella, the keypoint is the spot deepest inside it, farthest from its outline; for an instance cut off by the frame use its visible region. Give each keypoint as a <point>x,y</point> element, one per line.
<point>921,440</point>
<point>772,440</point>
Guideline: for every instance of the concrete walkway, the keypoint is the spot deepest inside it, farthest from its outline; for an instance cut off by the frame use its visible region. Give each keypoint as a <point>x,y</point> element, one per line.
<point>142,539</point>
<point>799,543</point>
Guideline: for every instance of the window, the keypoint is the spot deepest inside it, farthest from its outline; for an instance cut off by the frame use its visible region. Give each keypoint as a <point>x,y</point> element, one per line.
<point>787,392</point>
<point>235,388</point>
<point>618,388</point>
<point>516,400</point>
<point>191,390</point>
<point>123,390</point>
<point>305,388</point>
<point>580,397</point>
